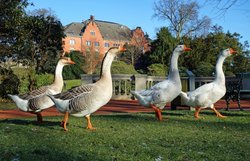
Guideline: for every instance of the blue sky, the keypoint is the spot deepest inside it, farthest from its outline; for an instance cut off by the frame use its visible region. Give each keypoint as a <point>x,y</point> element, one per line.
<point>133,13</point>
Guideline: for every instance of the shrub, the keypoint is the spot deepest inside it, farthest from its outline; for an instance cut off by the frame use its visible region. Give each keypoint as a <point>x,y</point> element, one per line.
<point>9,83</point>
<point>204,69</point>
<point>157,70</point>
<point>119,67</point>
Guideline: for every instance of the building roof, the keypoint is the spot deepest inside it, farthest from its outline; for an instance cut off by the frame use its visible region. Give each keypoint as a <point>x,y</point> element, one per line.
<point>109,30</point>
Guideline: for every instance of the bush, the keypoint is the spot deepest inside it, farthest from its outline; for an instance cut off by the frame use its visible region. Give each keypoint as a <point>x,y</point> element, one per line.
<point>9,83</point>
<point>74,71</point>
<point>157,70</point>
<point>204,69</point>
<point>119,67</point>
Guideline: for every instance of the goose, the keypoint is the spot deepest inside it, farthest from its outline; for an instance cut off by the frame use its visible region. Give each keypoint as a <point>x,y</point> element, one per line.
<point>208,94</point>
<point>163,92</point>
<point>84,100</point>
<point>36,101</point>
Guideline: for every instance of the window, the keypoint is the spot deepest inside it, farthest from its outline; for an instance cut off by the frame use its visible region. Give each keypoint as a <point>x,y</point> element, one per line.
<point>88,43</point>
<point>96,44</point>
<point>117,45</point>
<point>106,45</point>
<point>92,33</point>
<point>72,42</point>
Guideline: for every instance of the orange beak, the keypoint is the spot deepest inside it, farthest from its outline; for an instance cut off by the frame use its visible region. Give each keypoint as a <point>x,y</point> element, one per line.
<point>122,49</point>
<point>232,51</point>
<point>186,48</point>
<point>71,62</point>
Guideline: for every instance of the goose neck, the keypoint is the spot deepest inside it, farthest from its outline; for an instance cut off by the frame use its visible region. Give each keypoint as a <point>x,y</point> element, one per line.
<point>219,74</point>
<point>106,67</point>
<point>58,80</point>
<point>173,71</point>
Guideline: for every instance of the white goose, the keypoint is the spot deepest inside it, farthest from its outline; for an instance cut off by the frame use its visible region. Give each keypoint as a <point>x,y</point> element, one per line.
<point>86,99</point>
<point>206,95</point>
<point>158,95</point>
<point>37,100</point>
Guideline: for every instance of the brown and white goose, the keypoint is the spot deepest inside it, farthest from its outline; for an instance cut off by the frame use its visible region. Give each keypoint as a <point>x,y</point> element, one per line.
<point>86,99</point>
<point>37,100</point>
<point>208,94</point>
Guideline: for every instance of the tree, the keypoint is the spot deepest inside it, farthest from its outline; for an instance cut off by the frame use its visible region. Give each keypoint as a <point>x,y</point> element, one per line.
<point>222,6</point>
<point>131,55</point>
<point>162,47</point>
<point>74,71</point>
<point>30,40</point>
<point>183,17</point>
<point>92,59</point>
<point>11,13</point>
<point>40,40</point>
<point>206,50</point>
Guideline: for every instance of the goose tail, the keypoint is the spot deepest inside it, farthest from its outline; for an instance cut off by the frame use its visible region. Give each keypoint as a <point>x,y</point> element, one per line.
<point>20,103</point>
<point>142,99</point>
<point>61,105</point>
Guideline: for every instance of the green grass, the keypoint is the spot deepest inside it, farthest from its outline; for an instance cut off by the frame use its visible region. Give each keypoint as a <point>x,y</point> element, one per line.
<point>129,137</point>
<point>71,83</point>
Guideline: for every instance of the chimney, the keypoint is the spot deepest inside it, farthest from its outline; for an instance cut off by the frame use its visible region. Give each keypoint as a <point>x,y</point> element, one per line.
<point>92,17</point>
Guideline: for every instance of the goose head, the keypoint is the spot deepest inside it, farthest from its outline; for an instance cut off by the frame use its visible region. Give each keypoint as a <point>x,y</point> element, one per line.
<point>65,61</point>
<point>228,52</point>
<point>113,51</point>
<point>181,49</point>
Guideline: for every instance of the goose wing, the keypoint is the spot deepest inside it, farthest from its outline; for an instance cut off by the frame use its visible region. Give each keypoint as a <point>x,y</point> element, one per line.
<point>36,93</point>
<point>204,89</point>
<point>74,92</point>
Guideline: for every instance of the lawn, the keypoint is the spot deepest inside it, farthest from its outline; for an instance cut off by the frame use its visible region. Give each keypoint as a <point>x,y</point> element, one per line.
<point>129,137</point>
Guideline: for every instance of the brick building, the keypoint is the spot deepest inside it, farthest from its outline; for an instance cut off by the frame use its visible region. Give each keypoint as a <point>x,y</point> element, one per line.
<point>100,35</point>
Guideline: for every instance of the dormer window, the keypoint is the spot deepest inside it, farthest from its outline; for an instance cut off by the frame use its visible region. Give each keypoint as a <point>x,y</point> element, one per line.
<point>72,42</point>
<point>92,33</point>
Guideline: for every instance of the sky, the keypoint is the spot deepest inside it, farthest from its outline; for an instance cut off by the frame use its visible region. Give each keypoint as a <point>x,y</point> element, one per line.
<point>134,13</point>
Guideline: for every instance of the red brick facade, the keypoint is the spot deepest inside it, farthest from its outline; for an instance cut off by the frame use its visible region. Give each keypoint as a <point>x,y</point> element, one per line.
<point>100,36</point>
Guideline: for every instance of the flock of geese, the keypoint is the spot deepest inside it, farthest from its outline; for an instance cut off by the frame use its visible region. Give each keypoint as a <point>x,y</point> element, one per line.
<point>85,99</point>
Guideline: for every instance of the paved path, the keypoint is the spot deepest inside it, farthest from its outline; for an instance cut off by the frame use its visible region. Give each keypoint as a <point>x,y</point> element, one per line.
<point>114,106</point>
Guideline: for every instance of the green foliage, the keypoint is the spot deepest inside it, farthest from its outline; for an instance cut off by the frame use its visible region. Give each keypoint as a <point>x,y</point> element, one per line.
<point>120,67</point>
<point>71,83</point>
<point>44,79</point>
<point>74,71</point>
<point>205,50</point>
<point>204,69</point>
<point>39,40</point>
<point>9,83</point>
<point>40,79</point>
<point>30,39</point>
<point>157,70</point>
<point>162,47</point>
<point>129,137</point>
<point>12,13</point>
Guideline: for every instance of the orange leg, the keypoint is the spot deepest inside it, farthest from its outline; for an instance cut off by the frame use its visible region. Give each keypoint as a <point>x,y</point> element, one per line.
<point>157,112</point>
<point>65,120</point>
<point>218,113</point>
<point>197,111</point>
<point>39,118</point>
<point>89,125</point>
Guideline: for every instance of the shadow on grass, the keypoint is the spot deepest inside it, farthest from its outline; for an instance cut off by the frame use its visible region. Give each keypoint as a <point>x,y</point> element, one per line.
<point>30,122</point>
<point>226,113</point>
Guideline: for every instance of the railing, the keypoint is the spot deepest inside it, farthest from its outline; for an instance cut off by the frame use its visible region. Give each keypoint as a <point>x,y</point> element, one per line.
<point>124,83</point>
